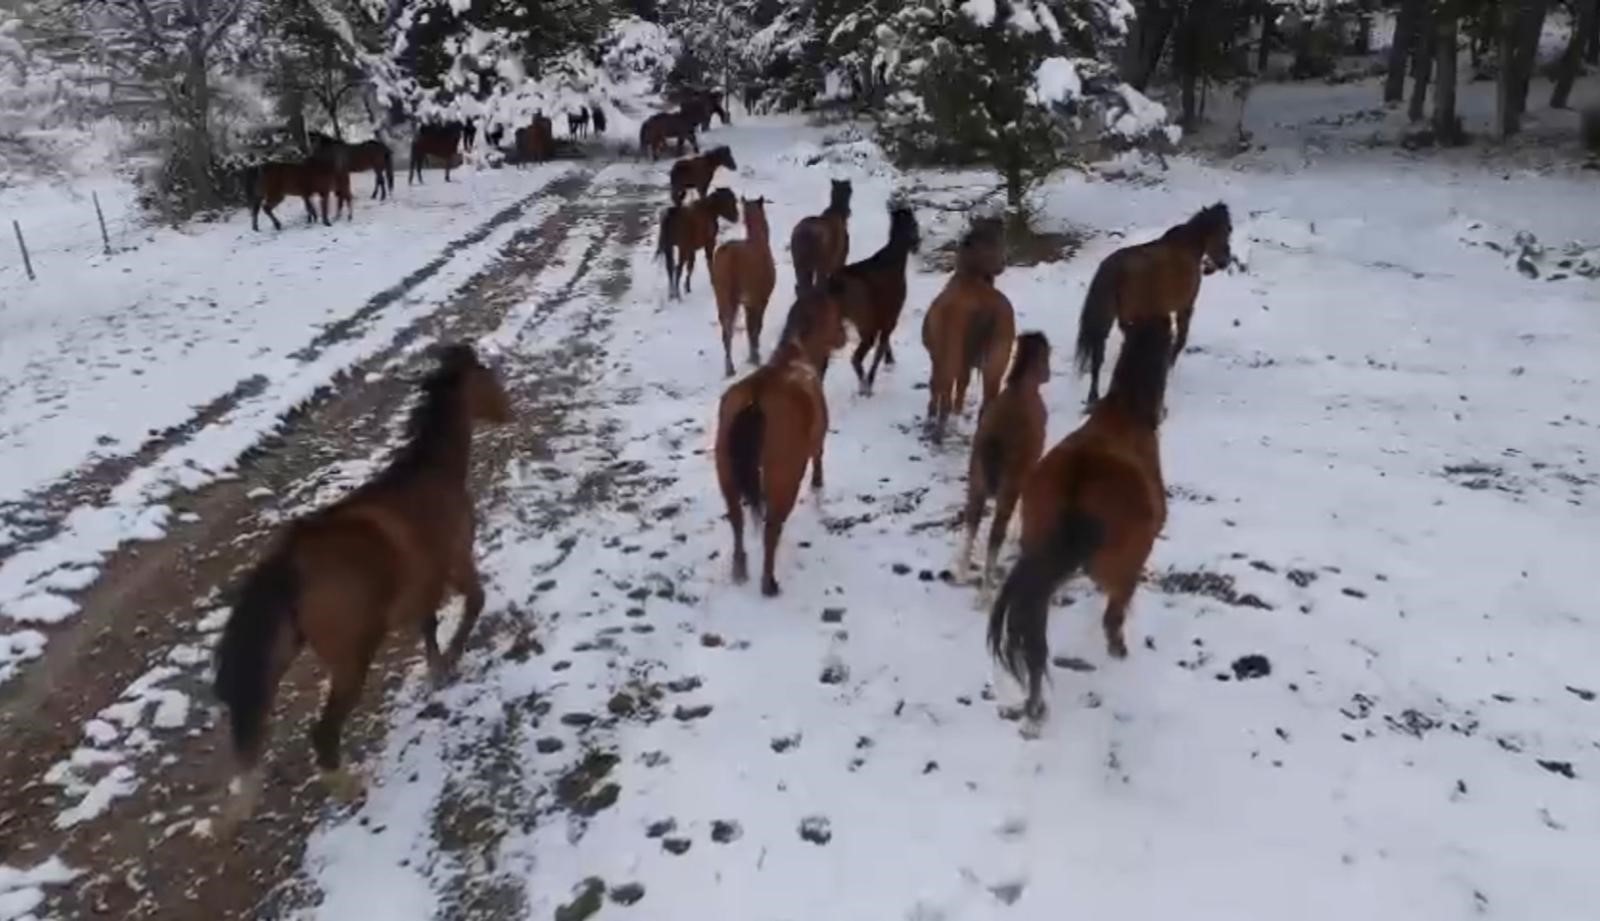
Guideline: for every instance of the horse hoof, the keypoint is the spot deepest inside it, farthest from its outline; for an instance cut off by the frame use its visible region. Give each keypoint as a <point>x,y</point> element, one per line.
<point>769,588</point>
<point>1116,648</point>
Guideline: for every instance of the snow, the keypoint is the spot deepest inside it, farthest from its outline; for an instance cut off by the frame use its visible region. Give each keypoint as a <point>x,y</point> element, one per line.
<point>21,891</point>
<point>1139,116</point>
<point>1364,437</point>
<point>981,12</point>
<point>1056,81</point>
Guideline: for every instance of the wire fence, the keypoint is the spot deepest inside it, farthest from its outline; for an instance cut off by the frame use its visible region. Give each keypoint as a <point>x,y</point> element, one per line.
<point>47,240</point>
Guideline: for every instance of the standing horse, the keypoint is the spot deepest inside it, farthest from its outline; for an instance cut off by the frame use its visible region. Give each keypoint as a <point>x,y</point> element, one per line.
<point>699,106</point>
<point>598,115</point>
<point>536,143</point>
<point>1006,446</point>
<point>772,423</point>
<point>820,244</point>
<point>696,172</point>
<point>1160,278</point>
<point>743,273</point>
<point>1096,501</point>
<point>268,184</point>
<point>340,579</point>
<point>687,228</point>
<point>874,292</point>
<point>969,327</point>
<point>371,155</point>
<point>662,127</point>
<point>440,141</point>
<point>578,122</point>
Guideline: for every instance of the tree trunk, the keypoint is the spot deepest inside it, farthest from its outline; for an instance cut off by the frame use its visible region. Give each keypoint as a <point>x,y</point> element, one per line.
<point>1188,56</point>
<point>1446,126</point>
<point>1567,70</point>
<point>1407,29</point>
<point>1506,122</point>
<point>1423,71</point>
<point>1530,16</point>
<point>1146,44</point>
<point>194,126</point>
<point>1591,41</point>
<point>1264,49</point>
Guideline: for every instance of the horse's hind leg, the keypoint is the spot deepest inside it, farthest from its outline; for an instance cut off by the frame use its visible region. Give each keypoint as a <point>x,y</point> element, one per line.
<point>754,316</point>
<point>1181,339</point>
<point>687,264</point>
<point>468,583</point>
<point>1010,492</point>
<point>857,359</point>
<point>877,357</point>
<point>1117,599</point>
<point>346,679</point>
<point>972,517</point>
<point>780,502</point>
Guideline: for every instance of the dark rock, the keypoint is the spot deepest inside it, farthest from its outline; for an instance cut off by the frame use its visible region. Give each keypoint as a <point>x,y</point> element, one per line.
<point>577,719</point>
<point>926,575</point>
<point>832,615</point>
<point>627,893</point>
<point>661,828</point>
<point>710,640</point>
<point>685,714</point>
<point>1251,666</point>
<point>900,569</point>
<point>726,832</point>
<point>587,899</point>
<point>622,704</point>
<point>549,745</point>
<point>676,846</point>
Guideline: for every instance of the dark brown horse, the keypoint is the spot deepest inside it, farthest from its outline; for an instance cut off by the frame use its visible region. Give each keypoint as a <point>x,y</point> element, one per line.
<point>373,155</point>
<point>690,228</point>
<point>969,327</point>
<point>1006,446</point>
<point>1156,279</point>
<point>698,106</point>
<point>536,143</point>
<point>578,122</point>
<point>820,244</point>
<point>440,142</point>
<point>696,172</point>
<point>598,115</point>
<point>268,184</point>
<point>1096,501</point>
<point>874,293</point>
<point>771,424</point>
<point>662,127</point>
<point>342,578</point>
<point>743,273</point>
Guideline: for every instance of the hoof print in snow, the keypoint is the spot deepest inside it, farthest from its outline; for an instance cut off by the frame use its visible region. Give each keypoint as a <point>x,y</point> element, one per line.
<point>684,685</point>
<point>633,612</point>
<point>579,720</point>
<point>685,714</point>
<point>676,846</point>
<point>586,900</point>
<point>1008,893</point>
<point>726,832</point>
<point>832,615</point>
<point>652,759</point>
<point>901,569</point>
<point>1353,592</point>
<point>627,893</point>
<point>1251,666</point>
<point>561,666</point>
<point>930,767</point>
<point>622,704</point>
<point>549,745</point>
<point>782,744</point>
<point>580,789</point>
<point>926,575</point>
<point>1583,694</point>
<point>433,711</point>
<point>1301,577</point>
<point>1564,768</point>
<point>523,648</point>
<point>835,673</point>
<point>1072,664</point>
<point>816,829</point>
<point>711,640</point>
<point>661,828</point>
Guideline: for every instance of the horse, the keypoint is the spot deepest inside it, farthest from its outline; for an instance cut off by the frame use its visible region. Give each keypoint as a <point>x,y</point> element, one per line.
<point>578,122</point>
<point>820,244</point>
<point>875,292</point>
<point>268,184</point>
<point>969,327</point>
<point>371,155</point>
<point>1006,446</point>
<point>598,116</point>
<point>494,134</point>
<point>771,423</point>
<point>1160,278</point>
<point>699,106</point>
<point>440,141</point>
<point>696,172</point>
<point>1095,501</point>
<point>664,126</point>
<point>982,250</point>
<point>691,227</point>
<point>743,273</point>
<point>341,578</point>
<point>536,143</point>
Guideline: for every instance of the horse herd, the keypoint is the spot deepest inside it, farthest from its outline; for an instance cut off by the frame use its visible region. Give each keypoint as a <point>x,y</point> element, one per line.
<point>386,556</point>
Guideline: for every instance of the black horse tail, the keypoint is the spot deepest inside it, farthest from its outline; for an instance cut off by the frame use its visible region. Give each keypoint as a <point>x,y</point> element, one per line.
<point>746,435</point>
<point>807,256</point>
<point>1022,612</point>
<point>1099,312</point>
<point>260,630</point>
<point>975,339</point>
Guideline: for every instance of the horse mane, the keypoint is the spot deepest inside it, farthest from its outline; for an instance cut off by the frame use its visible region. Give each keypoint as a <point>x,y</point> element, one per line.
<point>1139,381</point>
<point>1032,348</point>
<point>1202,224</point>
<point>435,414</point>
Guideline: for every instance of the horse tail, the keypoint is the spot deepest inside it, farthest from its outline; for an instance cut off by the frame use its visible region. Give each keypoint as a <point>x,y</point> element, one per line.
<point>388,165</point>
<point>746,435</point>
<point>976,338</point>
<point>1099,312</point>
<point>807,256</point>
<point>1021,614</point>
<point>262,622</point>
<point>991,460</point>
<point>669,229</point>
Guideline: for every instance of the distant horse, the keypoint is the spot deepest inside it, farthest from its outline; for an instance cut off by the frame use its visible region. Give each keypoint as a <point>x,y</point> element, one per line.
<point>696,172</point>
<point>598,116</point>
<point>874,293</point>
<point>1160,278</point>
<point>1096,501</point>
<point>494,134</point>
<point>1006,446</point>
<point>969,327</point>
<point>698,107</point>
<point>662,127</point>
<point>752,97</point>
<point>743,273</point>
<point>578,122</point>
<point>268,184</point>
<point>469,131</point>
<point>687,228</point>
<point>340,579</point>
<point>820,244</point>
<point>439,141</point>
<point>770,424</point>
<point>371,155</point>
<point>536,143</point>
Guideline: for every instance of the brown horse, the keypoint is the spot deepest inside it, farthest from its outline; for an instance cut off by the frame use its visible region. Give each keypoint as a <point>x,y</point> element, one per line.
<point>770,424</point>
<point>700,105</point>
<point>687,228</point>
<point>696,172</point>
<point>1096,501</point>
<point>969,327</point>
<point>820,244</point>
<point>874,292</point>
<point>438,141</point>
<point>1006,446</point>
<point>1160,278</point>
<point>268,184</point>
<point>742,273</point>
<point>662,127</point>
<point>536,143</point>
<point>341,578</point>
<point>371,155</point>
<point>578,122</point>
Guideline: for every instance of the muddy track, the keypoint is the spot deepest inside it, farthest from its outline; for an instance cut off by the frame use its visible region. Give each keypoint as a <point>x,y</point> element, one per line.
<point>139,858</point>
